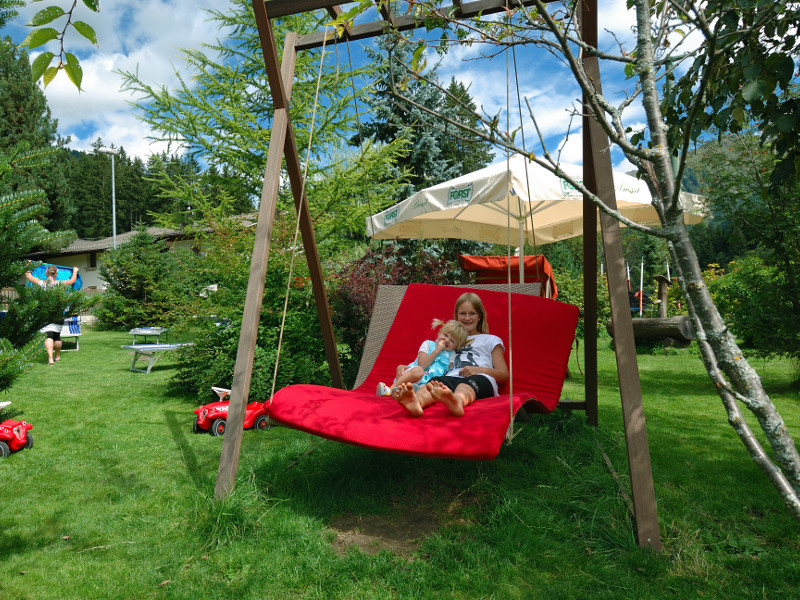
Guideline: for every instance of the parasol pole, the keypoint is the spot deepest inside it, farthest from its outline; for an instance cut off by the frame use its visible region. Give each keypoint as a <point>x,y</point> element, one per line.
<point>641,286</point>
<point>521,251</point>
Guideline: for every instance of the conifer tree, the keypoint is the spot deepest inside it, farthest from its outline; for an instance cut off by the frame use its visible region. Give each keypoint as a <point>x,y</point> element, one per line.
<point>437,151</point>
<point>20,233</point>
<point>25,117</point>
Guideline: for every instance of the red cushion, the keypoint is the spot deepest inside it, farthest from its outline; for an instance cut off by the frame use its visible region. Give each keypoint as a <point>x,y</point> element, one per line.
<point>542,330</point>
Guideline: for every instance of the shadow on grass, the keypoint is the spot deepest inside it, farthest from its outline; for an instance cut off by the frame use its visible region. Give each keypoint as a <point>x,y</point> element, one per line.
<point>176,422</point>
<point>553,472</point>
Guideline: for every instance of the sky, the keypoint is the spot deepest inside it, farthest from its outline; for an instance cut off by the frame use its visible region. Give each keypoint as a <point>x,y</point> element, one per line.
<point>147,35</point>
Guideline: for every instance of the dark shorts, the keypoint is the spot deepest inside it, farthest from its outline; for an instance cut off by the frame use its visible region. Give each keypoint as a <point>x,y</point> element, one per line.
<point>480,384</point>
<point>53,335</point>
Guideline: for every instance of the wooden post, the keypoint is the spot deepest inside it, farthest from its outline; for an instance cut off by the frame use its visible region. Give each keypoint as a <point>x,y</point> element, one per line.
<point>642,489</point>
<point>663,295</point>
<point>243,371</point>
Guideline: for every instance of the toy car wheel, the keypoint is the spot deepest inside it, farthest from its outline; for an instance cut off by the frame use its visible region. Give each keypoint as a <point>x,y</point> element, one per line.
<point>218,427</point>
<point>196,426</point>
<point>261,423</point>
<point>28,440</point>
<point>4,450</point>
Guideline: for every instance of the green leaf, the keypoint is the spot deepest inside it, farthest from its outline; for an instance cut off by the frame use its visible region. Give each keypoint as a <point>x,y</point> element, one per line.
<point>49,74</point>
<point>92,5</point>
<point>38,37</point>
<point>786,123</point>
<point>754,89</point>
<point>417,62</point>
<point>40,64</point>
<point>74,70</point>
<point>86,31</point>
<point>47,15</point>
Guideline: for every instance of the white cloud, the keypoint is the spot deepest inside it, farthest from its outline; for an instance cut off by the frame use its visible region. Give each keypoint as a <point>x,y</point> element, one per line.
<point>146,35</point>
<point>141,36</point>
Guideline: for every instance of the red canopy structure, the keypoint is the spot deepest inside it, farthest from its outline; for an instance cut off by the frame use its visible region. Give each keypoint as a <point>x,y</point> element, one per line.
<point>494,269</point>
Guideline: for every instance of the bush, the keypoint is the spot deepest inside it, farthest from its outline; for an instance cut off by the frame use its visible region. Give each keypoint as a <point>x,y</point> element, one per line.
<point>216,320</point>
<point>570,290</point>
<point>353,294</point>
<point>753,299</point>
<point>146,282</point>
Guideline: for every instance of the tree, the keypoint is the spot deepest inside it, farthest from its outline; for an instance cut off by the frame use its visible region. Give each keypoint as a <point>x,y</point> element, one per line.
<point>20,233</point>
<point>756,220</point>
<point>719,71</point>
<point>437,150</point>
<point>68,62</point>
<point>25,116</point>
<point>8,10</point>
<point>222,120</point>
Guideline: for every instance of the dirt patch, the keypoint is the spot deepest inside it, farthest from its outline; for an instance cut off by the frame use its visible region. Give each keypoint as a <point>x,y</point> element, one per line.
<point>402,531</point>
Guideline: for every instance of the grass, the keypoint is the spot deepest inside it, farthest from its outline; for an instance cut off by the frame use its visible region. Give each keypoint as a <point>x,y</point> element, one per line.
<point>114,500</point>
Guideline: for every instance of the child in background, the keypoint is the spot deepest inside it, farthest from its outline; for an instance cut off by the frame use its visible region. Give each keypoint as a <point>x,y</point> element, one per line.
<point>434,359</point>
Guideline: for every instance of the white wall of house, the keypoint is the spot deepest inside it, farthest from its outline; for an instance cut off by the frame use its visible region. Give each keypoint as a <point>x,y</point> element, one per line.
<point>88,263</point>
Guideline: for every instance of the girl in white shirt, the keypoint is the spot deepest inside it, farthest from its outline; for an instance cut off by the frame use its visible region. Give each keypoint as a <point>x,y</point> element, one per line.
<point>477,370</point>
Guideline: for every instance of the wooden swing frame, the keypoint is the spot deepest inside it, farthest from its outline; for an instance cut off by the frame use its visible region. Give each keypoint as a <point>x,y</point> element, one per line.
<point>597,177</point>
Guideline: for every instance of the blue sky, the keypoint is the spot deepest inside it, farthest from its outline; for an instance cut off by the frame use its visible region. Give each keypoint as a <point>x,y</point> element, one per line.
<point>147,35</point>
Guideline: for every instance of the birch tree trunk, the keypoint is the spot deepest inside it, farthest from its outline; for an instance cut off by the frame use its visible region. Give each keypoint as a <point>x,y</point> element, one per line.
<point>553,27</point>
<point>735,379</point>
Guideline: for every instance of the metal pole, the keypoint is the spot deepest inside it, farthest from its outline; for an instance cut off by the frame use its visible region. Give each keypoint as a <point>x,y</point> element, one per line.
<point>113,205</point>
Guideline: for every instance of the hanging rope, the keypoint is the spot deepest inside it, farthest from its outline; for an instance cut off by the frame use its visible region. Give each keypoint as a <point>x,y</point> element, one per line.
<point>525,149</point>
<point>297,224</point>
<point>510,433</point>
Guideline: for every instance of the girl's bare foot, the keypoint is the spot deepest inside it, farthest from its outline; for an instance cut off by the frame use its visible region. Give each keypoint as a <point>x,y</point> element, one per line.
<point>404,393</point>
<point>445,395</point>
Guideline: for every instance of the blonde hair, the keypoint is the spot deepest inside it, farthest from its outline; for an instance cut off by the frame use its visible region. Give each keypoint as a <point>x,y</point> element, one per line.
<point>51,270</point>
<point>455,329</point>
<point>477,304</point>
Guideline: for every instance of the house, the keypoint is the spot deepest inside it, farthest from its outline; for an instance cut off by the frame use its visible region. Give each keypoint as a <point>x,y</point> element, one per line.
<point>87,255</point>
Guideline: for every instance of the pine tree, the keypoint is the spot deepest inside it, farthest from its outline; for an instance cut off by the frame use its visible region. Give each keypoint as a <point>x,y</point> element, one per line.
<point>25,117</point>
<point>437,151</point>
<point>20,233</point>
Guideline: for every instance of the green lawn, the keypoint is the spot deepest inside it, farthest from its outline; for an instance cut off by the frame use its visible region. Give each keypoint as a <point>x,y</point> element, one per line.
<point>114,500</point>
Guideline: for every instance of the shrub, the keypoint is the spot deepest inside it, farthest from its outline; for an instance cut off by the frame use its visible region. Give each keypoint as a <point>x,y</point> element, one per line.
<point>146,281</point>
<point>352,295</point>
<point>216,320</point>
<point>570,290</point>
<point>753,299</point>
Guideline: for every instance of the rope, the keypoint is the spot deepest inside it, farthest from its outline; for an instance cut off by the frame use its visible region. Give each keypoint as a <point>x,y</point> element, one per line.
<point>524,148</point>
<point>297,224</point>
<point>510,433</point>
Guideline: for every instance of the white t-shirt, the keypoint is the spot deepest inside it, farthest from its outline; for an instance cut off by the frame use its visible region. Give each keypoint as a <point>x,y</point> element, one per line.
<point>477,353</point>
<point>54,327</point>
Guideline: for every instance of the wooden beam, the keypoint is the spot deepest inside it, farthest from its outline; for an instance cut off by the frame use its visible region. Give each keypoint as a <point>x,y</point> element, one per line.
<point>283,8</point>
<point>642,489</point>
<point>300,199</point>
<point>243,370</point>
<point>589,33</point>
<point>376,28</point>
<point>280,98</point>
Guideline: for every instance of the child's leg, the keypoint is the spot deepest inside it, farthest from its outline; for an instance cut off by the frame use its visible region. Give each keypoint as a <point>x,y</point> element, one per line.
<point>48,344</point>
<point>412,375</point>
<point>409,399</point>
<point>455,401</point>
<point>409,375</point>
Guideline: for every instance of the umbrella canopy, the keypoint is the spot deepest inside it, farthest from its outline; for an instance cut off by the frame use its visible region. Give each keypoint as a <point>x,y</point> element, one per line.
<point>512,202</point>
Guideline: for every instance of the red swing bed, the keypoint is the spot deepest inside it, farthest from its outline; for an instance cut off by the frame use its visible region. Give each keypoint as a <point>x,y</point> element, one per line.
<point>542,334</point>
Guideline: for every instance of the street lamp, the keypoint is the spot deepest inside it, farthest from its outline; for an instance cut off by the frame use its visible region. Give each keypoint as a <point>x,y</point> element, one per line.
<point>112,152</point>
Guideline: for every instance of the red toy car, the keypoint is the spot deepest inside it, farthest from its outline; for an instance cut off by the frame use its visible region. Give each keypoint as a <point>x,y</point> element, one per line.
<point>212,417</point>
<point>14,435</point>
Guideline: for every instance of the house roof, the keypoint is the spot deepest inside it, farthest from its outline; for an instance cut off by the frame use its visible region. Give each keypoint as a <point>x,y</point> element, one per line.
<point>86,246</point>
